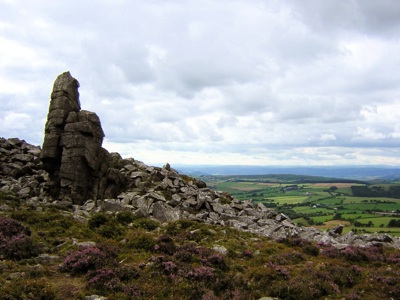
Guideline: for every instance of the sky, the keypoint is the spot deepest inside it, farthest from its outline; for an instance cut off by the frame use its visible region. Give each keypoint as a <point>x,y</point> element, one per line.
<point>232,82</point>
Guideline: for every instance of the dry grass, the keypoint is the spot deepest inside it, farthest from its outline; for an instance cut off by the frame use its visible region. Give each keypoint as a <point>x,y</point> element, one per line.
<point>68,287</point>
<point>333,223</point>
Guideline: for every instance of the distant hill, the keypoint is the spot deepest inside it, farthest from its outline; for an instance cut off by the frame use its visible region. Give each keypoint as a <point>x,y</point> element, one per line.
<point>346,172</point>
<point>279,178</point>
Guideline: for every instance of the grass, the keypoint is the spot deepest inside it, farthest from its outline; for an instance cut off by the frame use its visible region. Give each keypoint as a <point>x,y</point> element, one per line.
<point>330,201</point>
<point>289,199</point>
<point>333,223</point>
<point>371,200</point>
<point>357,215</point>
<point>310,210</point>
<point>378,221</point>
<point>372,207</point>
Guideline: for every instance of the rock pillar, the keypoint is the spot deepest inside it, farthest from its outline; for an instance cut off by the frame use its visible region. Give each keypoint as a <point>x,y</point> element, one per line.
<point>72,149</point>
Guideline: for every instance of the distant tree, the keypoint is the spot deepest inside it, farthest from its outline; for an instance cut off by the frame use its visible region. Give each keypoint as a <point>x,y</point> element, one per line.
<point>359,224</point>
<point>337,216</point>
<point>394,223</point>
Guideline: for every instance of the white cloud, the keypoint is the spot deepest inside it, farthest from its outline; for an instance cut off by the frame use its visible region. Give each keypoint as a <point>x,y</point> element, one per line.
<point>368,134</point>
<point>326,137</point>
<point>14,121</point>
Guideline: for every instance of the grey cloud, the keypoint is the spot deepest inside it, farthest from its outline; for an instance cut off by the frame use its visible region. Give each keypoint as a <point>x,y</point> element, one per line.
<point>380,18</point>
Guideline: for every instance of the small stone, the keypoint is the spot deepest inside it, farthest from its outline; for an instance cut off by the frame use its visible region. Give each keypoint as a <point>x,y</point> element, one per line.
<point>220,249</point>
<point>47,258</point>
<point>16,275</point>
<point>89,205</point>
<point>5,207</point>
<point>95,297</point>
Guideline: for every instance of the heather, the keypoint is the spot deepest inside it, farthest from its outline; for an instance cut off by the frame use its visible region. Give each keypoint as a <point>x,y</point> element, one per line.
<point>56,256</point>
<point>15,240</point>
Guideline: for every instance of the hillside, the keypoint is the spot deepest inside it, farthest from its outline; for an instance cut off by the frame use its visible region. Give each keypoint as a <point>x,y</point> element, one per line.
<point>54,255</point>
<point>77,221</point>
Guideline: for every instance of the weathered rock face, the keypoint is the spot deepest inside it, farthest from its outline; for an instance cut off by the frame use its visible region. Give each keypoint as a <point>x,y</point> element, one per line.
<point>72,153</point>
<point>64,99</point>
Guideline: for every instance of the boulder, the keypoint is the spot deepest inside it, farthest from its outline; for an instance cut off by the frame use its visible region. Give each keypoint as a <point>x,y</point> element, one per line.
<point>165,213</point>
<point>336,231</point>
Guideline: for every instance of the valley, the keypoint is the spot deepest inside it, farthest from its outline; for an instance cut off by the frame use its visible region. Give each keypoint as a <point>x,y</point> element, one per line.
<point>322,202</point>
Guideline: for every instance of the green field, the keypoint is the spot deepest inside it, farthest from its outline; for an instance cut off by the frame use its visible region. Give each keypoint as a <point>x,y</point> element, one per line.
<point>318,201</point>
<point>289,199</point>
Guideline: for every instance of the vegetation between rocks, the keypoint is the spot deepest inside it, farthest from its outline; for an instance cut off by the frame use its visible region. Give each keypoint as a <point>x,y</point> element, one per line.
<point>47,254</point>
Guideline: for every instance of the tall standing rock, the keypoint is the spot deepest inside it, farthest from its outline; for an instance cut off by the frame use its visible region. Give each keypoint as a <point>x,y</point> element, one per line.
<point>79,167</point>
<point>64,99</point>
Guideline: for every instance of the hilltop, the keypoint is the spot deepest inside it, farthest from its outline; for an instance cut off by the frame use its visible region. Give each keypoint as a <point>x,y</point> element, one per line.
<point>119,226</point>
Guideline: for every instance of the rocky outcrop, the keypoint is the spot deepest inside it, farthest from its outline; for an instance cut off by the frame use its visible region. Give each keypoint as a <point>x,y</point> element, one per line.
<point>72,154</point>
<point>74,172</point>
<point>165,195</point>
<point>21,171</point>
<point>162,194</point>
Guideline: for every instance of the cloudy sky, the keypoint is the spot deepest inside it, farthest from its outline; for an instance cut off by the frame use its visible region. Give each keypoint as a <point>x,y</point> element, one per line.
<point>272,82</point>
